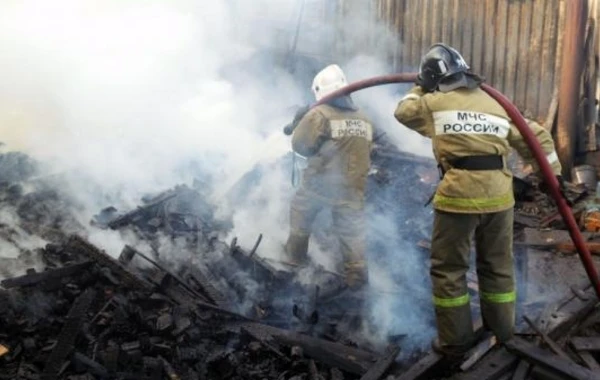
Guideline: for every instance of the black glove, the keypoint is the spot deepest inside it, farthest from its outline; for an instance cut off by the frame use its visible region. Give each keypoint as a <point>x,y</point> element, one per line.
<point>301,112</point>
<point>289,129</point>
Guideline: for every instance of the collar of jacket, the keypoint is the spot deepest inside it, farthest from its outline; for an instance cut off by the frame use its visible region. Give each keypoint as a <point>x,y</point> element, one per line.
<point>344,102</point>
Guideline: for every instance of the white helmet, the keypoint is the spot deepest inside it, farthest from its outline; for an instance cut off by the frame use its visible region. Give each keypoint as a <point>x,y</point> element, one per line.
<point>328,80</point>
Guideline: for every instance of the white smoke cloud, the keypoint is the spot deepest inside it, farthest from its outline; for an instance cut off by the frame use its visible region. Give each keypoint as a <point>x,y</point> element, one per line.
<point>131,97</point>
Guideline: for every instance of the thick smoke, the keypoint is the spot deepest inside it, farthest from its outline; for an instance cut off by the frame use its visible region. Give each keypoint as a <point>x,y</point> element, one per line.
<point>124,98</point>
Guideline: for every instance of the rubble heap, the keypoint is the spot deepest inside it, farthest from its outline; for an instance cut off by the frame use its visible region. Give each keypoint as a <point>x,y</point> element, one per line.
<point>78,313</point>
<point>88,316</point>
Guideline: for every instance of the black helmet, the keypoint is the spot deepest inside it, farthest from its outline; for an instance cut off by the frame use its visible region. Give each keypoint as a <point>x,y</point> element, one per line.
<point>443,64</point>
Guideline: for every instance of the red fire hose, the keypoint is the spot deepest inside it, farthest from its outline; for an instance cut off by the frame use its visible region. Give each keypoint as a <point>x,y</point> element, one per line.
<point>530,139</point>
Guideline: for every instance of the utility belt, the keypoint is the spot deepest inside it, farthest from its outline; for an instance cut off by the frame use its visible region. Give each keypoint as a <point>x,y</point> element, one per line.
<point>482,162</point>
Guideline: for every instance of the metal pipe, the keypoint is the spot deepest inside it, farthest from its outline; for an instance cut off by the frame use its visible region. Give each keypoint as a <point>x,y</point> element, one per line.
<point>532,143</point>
<point>570,82</point>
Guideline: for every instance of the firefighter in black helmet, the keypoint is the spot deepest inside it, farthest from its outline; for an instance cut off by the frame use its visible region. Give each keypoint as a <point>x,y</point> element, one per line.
<point>471,135</point>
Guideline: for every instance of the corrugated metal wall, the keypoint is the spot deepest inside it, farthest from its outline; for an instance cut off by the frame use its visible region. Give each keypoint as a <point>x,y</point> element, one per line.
<point>515,44</point>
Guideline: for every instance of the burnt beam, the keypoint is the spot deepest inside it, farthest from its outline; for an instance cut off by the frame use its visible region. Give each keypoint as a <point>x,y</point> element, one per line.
<point>35,278</point>
<point>541,357</point>
<point>383,364</point>
<point>66,339</point>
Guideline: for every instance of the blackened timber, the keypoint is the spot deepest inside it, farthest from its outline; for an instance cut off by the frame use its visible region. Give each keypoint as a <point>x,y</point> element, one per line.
<point>423,368</point>
<point>559,318</point>
<point>586,344</point>
<point>264,341</point>
<point>77,245</point>
<point>92,366</point>
<point>171,275</point>
<point>384,363</point>
<point>38,277</point>
<point>186,299</point>
<point>522,371</point>
<point>589,361</point>
<point>551,343</point>
<point>255,262</point>
<point>542,373</point>
<point>139,212</point>
<point>349,359</point>
<point>495,365</point>
<point>538,356</point>
<point>428,364</point>
<point>202,281</point>
<point>66,339</point>
<point>478,352</point>
<point>253,250</point>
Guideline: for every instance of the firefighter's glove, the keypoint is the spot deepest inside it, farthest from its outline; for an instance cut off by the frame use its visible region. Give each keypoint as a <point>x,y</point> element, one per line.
<point>300,112</point>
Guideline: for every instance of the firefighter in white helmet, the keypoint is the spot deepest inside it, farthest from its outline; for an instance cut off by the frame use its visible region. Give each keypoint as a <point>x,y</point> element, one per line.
<point>336,139</point>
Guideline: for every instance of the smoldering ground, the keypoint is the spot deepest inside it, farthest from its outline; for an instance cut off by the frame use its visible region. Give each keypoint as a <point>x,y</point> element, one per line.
<point>125,98</point>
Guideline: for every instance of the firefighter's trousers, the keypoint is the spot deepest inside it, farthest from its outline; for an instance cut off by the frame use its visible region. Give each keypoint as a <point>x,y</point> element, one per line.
<point>450,246</point>
<point>349,227</point>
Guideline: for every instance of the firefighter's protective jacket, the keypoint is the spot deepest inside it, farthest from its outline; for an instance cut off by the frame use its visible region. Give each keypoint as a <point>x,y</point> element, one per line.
<point>337,144</point>
<point>469,122</point>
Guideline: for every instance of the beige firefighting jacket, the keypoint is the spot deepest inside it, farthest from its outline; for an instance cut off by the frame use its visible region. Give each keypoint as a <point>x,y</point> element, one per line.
<point>468,122</point>
<point>337,143</point>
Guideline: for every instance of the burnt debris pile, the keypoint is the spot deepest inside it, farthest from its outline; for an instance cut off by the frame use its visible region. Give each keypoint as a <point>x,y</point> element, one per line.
<point>228,313</point>
<point>89,316</point>
<point>180,302</point>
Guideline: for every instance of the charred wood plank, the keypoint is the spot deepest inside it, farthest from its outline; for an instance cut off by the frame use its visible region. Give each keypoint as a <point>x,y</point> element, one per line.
<point>38,277</point>
<point>264,341</point>
<point>203,281</point>
<point>255,262</point>
<point>589,361</point>
<point>538,356</point>
<point>78,246</point>
<point>349,359</point>
<point>139,212</point>
<point>423,368</point>
<point>312,371</point>
<point>431,362</point>
<point>586,344</point>
<point>497,364</point>
<point>66,339</point>
<point>546,339</point>
<point>557,319</point>
<point>543,373</point>
<point>522,371</point>
<point>169,275</point>
<point>90,365</point>
<point>383,364</point>
<point>478,352</point>
<point>186,299</point>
